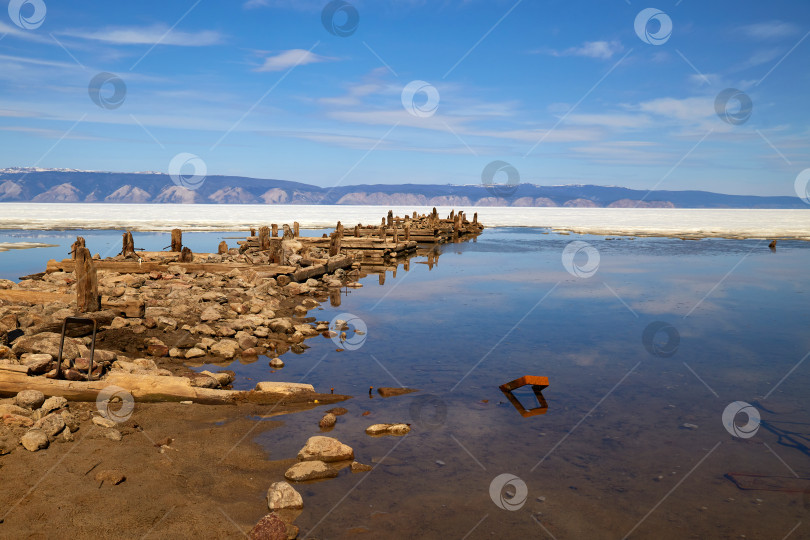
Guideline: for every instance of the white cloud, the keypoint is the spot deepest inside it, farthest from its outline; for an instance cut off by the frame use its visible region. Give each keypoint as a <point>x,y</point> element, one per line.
<point>770,30</point>
<point>290,58</point>
<point>150,35</point>
<point>591,49</point>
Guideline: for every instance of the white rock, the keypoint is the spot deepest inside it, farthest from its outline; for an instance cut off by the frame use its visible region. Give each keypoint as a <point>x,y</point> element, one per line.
<point>325,449</point>
<point>282,496</point>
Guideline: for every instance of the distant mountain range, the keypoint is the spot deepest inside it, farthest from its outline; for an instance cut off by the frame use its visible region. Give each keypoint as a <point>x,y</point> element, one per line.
<point>72,186</point>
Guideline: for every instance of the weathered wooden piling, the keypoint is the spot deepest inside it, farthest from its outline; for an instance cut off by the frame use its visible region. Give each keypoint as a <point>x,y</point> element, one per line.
<point>223,248</point>
<point>128,244</point>
<point>288,233</point>
<point>390,218</point>
<point>274,227</point>
<point>177,240</point>
<point>186,256</point>
<point>74,248</point>
<point>264,238</point>
<point>87,297</point>
<point>296,230</point>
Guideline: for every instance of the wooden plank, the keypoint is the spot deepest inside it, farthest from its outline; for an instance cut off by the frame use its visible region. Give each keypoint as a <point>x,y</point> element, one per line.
<point>134,267</point>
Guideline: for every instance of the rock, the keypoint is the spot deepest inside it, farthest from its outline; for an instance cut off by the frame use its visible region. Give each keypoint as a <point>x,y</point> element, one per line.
<point>280,326</point>
<point>175,353</point>
<point>270,527</point>
<point>34,440</point>
<point>225,331</point>
<point>145,363</point>
<point>338,411</point>
<point>246,341</point>
<point>309,470</point>
<point>194,352</point>
<point>689,426</point>
<point>386,391</point>
<point>30,399</point>
<point>325,449</point>
<point>388,429</point>
<point>277,363</point>
<point>282,496</point>
<point>46,343</point>
<point>110,476</point>
<point>226,348</point>
<point>53,403</point>
<point>6,353</point>
<point>158,350</point>
<point>52,425</point>
<point>327,421</point>
<point>284,388</point>
<point>71,421</point>
<point>210,314</point>
<point>283,281</point>
<point>223,378</point>
<point>118,322</point>
<point>103,422</point>
<point>204,381</point>
<point>359,467</point>
<point>38,363</point>
<point>112,434</point>
<point>10,408</point>
<point>17,420</point>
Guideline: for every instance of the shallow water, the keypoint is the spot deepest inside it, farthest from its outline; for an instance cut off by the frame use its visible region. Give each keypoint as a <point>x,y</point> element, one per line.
<point>611,456</point>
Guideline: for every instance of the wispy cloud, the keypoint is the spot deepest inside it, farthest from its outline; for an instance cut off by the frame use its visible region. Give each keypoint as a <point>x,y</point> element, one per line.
<point>149,35</point>
<point>602,50</point>
<point>290,58</point>
<point>770,30</point>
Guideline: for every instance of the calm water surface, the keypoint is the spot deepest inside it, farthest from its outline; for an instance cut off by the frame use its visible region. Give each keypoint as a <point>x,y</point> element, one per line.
<point>632,442</point>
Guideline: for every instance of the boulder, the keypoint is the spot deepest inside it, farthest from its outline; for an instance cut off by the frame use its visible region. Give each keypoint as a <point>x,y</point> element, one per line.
<point>277,363</point>
<point>270,527</point>
<point>285,388</point>
<point>226,348</point>
<point>51,425</point>
<point>280,326</point>
<point>327,449</point>
<point>30,399</point>
<point>46,343</point>
<point>309,470</point>
<point>327,421</point>
<point>194,352</point>
<point>388,429</point>
<point>210,314</point>
<point>53,403</point>
<point>34,440</point>
<point>223,378</point>
<point>282,496</point>
<point>38,363</point>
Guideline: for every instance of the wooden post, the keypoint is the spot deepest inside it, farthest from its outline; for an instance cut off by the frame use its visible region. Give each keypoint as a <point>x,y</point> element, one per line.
<point>390,218</point>
<point>396,234</point>
<point>339,229</point>
<point>223,248</point>
<point>275,230</point>
<point>334,244</point>
<point>264,238</point>
<point>128,244</point>
<point>414,214</point>
<point>74,248</point>
<point>295,229</point>
<point>177,240</point>
<point>456,221</point>
<point>382,232</point>
<point>407,232</point>
<point>87,297</point>
<point>475,218</point>
<point>357,231</point>
<point>334,297</point>
<point>252,231</point>
<point>382,278</point>
<point>288,233</point>
<point>275,251</point>
<point>186,256</point>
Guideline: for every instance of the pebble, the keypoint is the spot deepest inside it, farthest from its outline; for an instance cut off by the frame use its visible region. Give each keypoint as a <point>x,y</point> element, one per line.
<point>277,363</point>
<point>541,499</point>
<point>34,440</point>
<point>689,426</point>
<point>440,463</point>
<point>103,422</point>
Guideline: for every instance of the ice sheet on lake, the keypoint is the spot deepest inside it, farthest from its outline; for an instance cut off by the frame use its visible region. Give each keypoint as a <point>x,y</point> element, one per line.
<point>5,246</point>
<point>614,221</point>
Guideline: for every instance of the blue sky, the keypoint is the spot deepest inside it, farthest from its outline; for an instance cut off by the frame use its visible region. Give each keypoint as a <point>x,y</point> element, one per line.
<point>566,92</point>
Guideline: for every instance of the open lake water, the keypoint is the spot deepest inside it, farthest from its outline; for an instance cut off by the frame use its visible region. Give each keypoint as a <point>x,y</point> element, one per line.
<point>632,441</point>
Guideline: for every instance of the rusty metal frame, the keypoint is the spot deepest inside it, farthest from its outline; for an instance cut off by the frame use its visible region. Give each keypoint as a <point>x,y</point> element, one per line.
<point>538,384</point>
<point>78,320</point>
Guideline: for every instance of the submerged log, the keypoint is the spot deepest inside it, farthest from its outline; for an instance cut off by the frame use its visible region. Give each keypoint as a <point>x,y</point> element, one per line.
<point>87,297</point>
<point>177,240</point>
